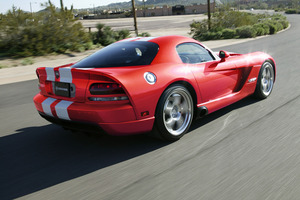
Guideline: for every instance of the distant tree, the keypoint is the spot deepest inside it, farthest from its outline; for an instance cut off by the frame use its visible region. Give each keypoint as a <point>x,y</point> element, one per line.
<point>22,34</point>
<point>105,35</point>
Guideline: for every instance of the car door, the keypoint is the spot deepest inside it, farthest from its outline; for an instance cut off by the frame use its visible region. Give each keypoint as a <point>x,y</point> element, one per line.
<point>215,79</point>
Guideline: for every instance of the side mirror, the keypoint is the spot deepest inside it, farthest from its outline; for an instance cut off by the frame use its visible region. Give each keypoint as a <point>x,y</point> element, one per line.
<point>223,55</point>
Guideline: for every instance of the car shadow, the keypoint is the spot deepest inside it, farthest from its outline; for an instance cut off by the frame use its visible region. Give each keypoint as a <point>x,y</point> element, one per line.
<point>39,157</point>
<point>219,113</point>
<point>36,158</point>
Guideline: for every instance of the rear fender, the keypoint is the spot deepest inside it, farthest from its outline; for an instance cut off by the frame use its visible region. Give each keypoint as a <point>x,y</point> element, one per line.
<point>144,96</point>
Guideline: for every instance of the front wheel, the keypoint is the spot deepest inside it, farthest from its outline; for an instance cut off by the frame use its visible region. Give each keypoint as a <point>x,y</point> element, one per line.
<point>265,81</point>
<point>174,113</point>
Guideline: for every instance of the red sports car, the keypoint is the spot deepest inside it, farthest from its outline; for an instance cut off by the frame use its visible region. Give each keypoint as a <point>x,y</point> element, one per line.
<point>150,84</point>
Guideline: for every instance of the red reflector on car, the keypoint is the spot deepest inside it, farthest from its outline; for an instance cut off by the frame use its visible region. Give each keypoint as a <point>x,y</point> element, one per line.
<point>106,88</point>
<point>145,113</point>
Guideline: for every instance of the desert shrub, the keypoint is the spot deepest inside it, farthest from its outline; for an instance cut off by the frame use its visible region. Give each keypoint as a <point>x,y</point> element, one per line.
<point>198,29</point>
<point>105,35</point>
<point>24,34</point>
<point>2,66</point>
<point>144,34</point>
<point>211,35</point>
<point>217,35</point>
<point>272,27</point>
<point>234,24</point>
<point>200,32</point>
<point>228,33</point>
<point>284,23</point>
<point>278,25</point>
<point>261,29</point>
<point>291,11</point>
<point>89,45</point>
<point>245,32</point>
<point>27,61</point>
<point>122,34</point>
<point>266,28</point>
<point>232,19</point>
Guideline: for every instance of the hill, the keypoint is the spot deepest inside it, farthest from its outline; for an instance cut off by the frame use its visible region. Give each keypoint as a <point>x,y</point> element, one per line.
<point>127,4</point>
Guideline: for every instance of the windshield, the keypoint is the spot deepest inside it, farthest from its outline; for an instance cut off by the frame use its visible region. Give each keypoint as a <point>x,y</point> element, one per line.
<point>121,54</point>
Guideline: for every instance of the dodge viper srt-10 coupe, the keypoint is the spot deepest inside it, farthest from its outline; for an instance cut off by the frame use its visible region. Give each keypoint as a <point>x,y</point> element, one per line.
<point>155,85</point>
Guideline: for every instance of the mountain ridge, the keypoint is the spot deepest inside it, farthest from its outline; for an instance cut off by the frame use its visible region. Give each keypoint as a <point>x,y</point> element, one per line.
<point>153,3</point>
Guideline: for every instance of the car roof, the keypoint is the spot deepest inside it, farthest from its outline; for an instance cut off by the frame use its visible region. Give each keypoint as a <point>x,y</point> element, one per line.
<point>167,46</point>
<point>163,40</point>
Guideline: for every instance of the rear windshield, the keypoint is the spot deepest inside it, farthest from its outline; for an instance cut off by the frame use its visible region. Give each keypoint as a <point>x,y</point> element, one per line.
<point>121,54</point>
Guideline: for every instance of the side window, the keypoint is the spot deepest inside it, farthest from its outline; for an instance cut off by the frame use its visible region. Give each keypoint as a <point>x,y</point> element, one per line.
<point>193,53</point>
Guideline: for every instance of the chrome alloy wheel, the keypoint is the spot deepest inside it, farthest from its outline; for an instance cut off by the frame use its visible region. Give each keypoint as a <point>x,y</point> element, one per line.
<point>267,79</point>
<point>177,112</point>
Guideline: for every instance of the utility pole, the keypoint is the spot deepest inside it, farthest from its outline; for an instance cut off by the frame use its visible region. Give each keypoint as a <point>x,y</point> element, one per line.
<point>134,18</point>
<point>144,9</point>
<point>208,14</point>
<point>31,9</point>
<point>62,5</point>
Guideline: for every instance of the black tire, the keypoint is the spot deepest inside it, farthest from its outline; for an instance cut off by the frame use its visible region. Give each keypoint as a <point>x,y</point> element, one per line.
<point>174,113</point>
<point>265,81</point>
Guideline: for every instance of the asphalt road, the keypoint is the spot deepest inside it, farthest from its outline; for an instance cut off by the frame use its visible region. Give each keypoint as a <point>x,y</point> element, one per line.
<point>249,150</point>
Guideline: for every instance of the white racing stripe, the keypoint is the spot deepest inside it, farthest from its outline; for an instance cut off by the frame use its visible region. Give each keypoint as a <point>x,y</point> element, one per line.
<point>50,74</point>
<point>61,109</point>
<point>62,106</point>
<point>46,106</point>
<point>65,75</point>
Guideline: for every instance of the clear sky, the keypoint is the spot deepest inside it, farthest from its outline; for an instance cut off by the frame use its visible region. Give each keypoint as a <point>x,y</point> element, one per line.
<point>6,5</point>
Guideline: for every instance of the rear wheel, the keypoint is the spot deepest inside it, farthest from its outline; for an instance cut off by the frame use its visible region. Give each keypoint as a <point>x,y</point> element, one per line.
<point>174,113</point>
<point>265,81</point>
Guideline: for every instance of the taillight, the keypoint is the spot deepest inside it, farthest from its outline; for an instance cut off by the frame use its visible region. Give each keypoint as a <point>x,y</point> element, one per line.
<point>121,98</point>
<point>110,92</point>
<point>37,74</point>
<point>106,89</point>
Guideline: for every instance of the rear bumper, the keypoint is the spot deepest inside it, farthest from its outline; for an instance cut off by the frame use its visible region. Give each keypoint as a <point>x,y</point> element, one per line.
<point>73,125</point>
<point>114,119</point>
